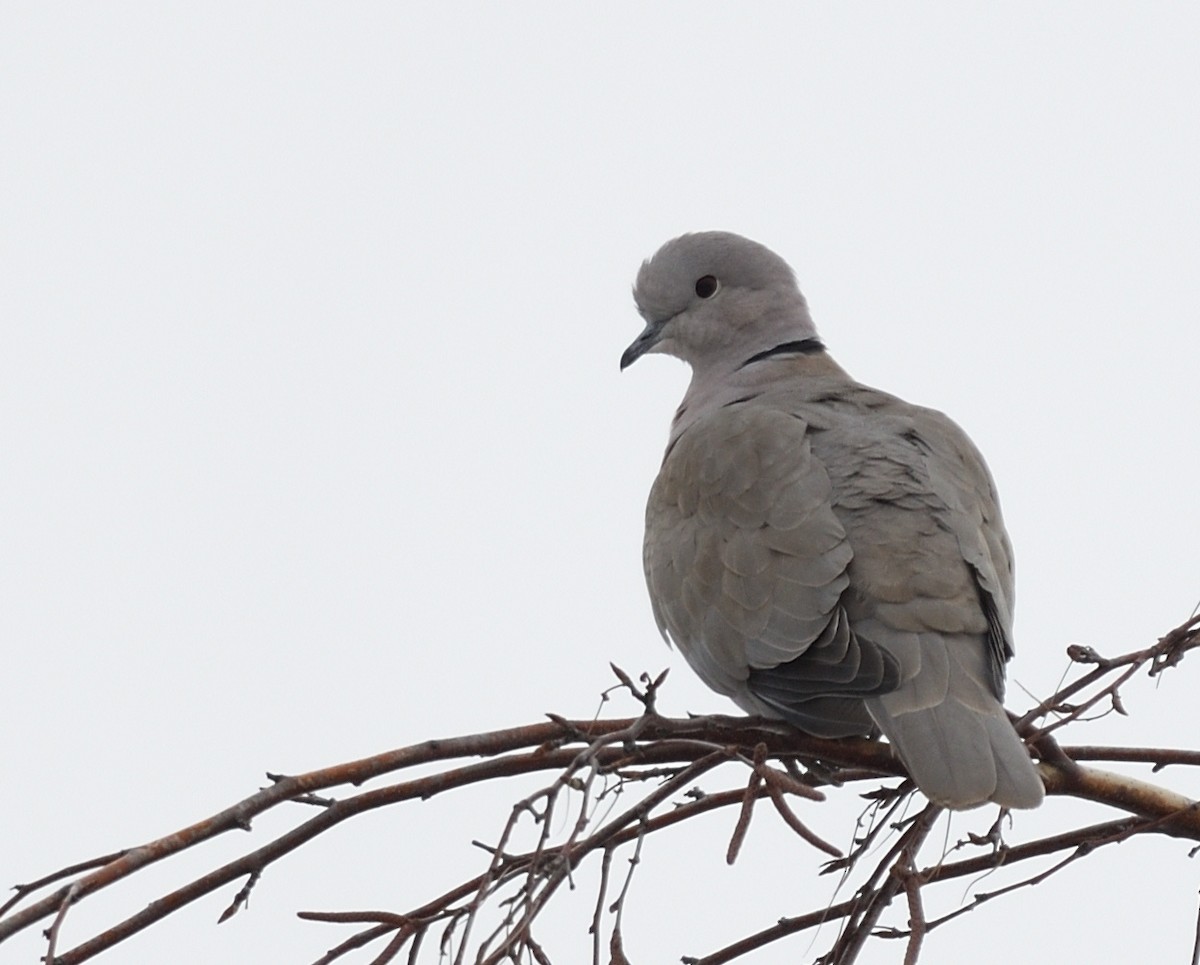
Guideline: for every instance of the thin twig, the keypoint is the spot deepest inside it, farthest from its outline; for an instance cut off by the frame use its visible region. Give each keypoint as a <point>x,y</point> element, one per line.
<point>1196,943</point>
<point>863,921</point>
<point>916,910</point>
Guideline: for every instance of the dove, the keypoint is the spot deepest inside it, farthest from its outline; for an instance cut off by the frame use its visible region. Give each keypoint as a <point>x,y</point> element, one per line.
<point>820,551</point>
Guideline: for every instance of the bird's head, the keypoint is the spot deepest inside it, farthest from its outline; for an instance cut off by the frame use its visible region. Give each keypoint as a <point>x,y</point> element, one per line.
<point>715,299</point>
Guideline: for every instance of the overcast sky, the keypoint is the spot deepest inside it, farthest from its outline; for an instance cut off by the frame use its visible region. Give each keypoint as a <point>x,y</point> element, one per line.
<point>314,442</point>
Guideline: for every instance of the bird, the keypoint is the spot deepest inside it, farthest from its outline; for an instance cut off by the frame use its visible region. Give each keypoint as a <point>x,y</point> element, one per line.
<point>820,551</point>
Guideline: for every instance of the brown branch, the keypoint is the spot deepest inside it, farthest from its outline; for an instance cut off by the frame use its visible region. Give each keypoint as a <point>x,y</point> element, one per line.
<point>861,922</point>
<point>675,734</point>
<point>1167,652</point>
<point>22,891</point>
<point>601,894</point>
<point>753,786</point>
<point>916,909</point>
<point>1180,816</point>
<point>793,822</point>
<point>941,871</point>
<point>599,760</point>
<point>242,898</point>
<point>616,943</point>
<point>601,838</point>
<point>53,930</point>
<point>1160,757</point>
<point>1196,943</point>
<point>665,750</point>
<point>257,860</point>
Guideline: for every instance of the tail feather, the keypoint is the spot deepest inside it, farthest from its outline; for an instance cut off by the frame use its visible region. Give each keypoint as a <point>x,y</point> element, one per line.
<point>962,758</point>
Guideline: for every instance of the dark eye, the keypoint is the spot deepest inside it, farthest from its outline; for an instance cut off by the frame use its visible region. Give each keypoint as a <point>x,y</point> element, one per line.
<point>706,287</point>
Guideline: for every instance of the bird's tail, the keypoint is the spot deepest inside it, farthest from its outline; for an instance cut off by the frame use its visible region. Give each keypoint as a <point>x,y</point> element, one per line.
<point>954,736</point>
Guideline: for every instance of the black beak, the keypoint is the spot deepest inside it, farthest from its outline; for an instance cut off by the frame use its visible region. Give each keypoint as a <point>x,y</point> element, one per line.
<point>642,344</point>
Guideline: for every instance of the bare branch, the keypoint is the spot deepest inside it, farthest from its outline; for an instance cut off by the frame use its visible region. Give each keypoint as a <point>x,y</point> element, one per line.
<point>621,782</point>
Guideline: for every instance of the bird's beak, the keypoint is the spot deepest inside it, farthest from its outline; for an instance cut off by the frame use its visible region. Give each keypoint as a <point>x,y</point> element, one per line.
<point>642,344</point>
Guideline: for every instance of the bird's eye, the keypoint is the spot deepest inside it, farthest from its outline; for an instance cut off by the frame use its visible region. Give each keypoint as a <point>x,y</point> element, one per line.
<point>706,286</point>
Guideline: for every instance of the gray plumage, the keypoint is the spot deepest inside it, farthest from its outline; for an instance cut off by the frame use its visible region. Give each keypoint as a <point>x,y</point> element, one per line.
<point>821,551</point>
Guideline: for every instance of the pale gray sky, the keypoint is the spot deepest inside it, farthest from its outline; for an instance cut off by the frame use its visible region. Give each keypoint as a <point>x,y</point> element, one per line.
<point>314,442</point>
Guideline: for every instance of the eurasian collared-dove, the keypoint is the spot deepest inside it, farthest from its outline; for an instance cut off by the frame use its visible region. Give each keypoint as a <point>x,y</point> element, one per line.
<point>821,551</point>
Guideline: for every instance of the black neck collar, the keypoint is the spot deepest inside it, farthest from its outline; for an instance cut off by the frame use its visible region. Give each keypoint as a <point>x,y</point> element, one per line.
<point>803,346</point>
